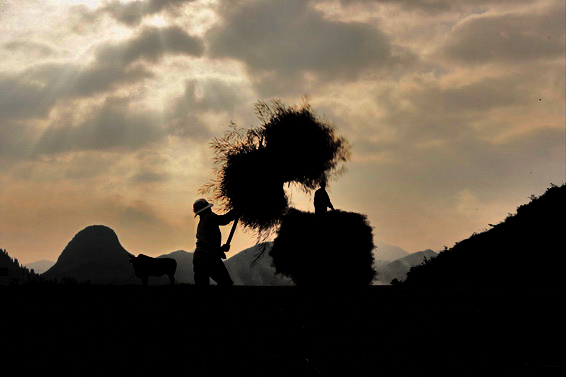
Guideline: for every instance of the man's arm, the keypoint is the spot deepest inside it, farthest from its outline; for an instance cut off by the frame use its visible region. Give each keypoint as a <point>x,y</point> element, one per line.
<point>227,218</point>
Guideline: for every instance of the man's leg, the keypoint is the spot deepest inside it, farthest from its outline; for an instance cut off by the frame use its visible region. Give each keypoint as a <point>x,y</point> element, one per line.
<point>200,271</point>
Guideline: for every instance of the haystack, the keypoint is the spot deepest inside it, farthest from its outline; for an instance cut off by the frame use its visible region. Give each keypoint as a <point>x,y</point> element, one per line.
<point>330,249</point>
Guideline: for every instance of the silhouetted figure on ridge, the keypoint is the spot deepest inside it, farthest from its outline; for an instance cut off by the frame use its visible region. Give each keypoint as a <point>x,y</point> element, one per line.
<point>207,259</point>
<point>322,200</point>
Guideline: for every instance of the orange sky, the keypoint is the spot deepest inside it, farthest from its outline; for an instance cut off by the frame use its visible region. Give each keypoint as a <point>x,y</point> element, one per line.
<point>455,110</point>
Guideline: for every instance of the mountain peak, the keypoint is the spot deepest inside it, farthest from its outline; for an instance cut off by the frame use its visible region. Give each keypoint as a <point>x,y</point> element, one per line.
<point>94,253</point>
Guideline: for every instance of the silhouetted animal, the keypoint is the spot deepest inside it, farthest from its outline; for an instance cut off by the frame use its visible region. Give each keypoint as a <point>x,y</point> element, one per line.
<point>145,267</point>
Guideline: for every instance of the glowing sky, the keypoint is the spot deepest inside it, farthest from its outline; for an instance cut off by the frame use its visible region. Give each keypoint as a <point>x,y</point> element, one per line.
<point>455,110</point>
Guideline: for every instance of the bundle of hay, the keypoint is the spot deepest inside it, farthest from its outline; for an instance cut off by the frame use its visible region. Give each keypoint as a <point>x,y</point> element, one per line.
<point>291,146</point>
<point>330,249</point>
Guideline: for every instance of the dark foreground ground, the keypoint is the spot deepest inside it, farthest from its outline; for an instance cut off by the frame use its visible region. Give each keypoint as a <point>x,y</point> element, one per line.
<point>287,331</point>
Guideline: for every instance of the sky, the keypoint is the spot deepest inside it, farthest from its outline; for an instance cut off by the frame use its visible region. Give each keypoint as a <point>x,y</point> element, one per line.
<point>455,110</point>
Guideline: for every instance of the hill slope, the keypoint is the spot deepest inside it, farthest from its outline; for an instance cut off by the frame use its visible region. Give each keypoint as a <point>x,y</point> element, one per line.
<point>527,249</point>
<point>262,272</point>
<point>94,254</point>
<point>11,272</point>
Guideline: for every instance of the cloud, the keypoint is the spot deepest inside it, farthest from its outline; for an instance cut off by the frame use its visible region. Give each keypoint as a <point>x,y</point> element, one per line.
<point>33,92</point>
<point>436,7</point>
<point>29,47</point>
<point>148,176</point>
<point>425,110</point>
<point>129,13</point>
<point>512,37</point>
<point>281,41</point>
<point>132,13</point>
<point>14,139</point>
<point>21,98</point>
<point>213,94</point>
<point>203,96</point>
<point>152,167</point>
<point>143,229</point>
<point>114,125</point>
<point>151,44</point>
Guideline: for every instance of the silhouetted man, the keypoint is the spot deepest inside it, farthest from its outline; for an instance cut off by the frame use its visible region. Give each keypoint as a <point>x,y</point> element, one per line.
<point>322,200</point>
<point>207,259</point>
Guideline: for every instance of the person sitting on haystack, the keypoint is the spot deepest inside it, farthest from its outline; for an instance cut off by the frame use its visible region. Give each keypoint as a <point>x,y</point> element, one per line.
<point>322,200</point>
<point>208,255</point>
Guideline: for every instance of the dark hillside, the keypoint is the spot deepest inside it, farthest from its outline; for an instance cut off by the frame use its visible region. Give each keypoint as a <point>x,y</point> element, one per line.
<point>94,254</point>
<point>11,272</point>
<point>182,330</point>
<point>527,249</point>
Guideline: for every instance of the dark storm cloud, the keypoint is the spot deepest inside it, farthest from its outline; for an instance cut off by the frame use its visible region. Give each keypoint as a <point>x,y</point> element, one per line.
<point>151,44</point>
<point>282,40</point>
<point>509,38</point>
<point>133,12</point>
<point>113,125</point>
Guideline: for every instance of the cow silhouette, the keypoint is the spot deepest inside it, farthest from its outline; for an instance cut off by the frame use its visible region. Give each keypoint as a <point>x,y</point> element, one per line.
<point>145,267</point>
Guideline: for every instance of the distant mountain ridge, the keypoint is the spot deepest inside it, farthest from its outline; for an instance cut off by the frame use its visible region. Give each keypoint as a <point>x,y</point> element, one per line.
<point>399,268</point>
<point>184,272</point>
<point>246,270</point>
<point>388,253</point>
<point>95,254</point>
<point>40,266</point>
